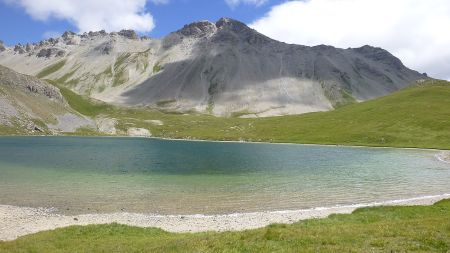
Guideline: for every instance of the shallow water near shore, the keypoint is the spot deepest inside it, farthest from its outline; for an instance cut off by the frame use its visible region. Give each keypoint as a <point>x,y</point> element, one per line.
<point>100,175</point>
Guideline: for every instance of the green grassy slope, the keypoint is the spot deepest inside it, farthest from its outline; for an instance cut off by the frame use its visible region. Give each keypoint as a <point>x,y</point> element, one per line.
<point>414,117</point>
<point>418,116</point>
<point>380,229</point>
<point>82,104</point>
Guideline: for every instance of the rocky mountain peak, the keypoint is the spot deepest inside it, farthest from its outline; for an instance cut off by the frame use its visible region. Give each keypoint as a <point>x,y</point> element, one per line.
<point>230,30</point>
<point>68,34</point>
<point>198,29</point>
<point>379,55</point>
<point>228,23</point>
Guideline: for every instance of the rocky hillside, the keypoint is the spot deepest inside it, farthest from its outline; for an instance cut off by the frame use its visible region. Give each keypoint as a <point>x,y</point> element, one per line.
<point>30,105</point>
<point>221,68</point>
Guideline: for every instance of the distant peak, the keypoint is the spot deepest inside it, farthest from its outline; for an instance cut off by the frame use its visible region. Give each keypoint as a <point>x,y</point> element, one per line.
<point>197,29</point>
<point>66,34</point>
<point>205,27</point>
<point>230,23</point>
<point>380,55</point>
<point>369,50</point>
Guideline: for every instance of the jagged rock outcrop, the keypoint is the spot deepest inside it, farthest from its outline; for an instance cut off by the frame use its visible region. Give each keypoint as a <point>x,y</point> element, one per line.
<point>70,38</point>
<point>19,49</point>
<point>2,46</point>
<point>130,34</point>
<point>28,47</point>
<point>49,52</point>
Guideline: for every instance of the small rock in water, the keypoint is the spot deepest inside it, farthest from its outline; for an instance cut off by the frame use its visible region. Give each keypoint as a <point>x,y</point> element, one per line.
<point>75,219</point>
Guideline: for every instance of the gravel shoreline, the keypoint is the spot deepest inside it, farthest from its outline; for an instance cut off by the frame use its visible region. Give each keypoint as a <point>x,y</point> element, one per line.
<point>19,221</point>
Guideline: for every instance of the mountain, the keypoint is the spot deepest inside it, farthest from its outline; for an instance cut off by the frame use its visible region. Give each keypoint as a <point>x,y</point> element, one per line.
<point>30,105</point>
<point>223,68</point>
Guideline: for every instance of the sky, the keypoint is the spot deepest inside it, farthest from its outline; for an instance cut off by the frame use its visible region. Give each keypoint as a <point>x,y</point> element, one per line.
<point>416,31</point>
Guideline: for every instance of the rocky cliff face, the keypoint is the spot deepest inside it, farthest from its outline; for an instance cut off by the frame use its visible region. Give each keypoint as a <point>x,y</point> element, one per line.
<point>220,68</point>
<point>29,84</point>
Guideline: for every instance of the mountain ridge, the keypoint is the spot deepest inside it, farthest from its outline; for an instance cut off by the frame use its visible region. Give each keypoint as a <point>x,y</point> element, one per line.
<point>220,68</point>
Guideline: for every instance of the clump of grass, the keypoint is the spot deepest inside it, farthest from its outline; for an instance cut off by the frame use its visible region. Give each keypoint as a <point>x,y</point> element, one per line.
<point>163,103</point>
<point>121,60</point>
<point>67,76</point>
<point>120,77</point>
<point>51,69</point>
<point>157,68</point>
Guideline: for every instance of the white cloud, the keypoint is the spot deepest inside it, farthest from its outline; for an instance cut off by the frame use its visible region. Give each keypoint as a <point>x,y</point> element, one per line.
<point>416,31</point>
<point>234,3</point>
<point>93,15</point>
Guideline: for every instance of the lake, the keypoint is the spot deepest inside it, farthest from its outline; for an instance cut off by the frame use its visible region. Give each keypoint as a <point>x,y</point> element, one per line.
<point>95,175</point>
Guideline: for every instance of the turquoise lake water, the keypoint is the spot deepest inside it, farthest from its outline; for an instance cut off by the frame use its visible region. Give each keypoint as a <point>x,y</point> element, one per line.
<point>89,175</point>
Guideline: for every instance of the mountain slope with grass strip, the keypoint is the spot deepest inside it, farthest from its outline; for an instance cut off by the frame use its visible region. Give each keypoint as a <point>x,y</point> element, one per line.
<point>417,116</point>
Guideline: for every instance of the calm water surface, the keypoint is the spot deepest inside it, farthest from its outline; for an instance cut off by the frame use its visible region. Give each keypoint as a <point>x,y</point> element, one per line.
<point>88,175</point>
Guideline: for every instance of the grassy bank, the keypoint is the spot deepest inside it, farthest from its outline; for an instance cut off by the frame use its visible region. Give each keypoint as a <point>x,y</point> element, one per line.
<point>418,116</point>
<point>379,229</point>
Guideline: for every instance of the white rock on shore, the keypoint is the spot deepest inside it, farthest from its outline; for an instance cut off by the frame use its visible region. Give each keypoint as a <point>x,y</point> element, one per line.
<point>155,122</point>
<point>444,156</point>
<point>106,125</point>
<point>138,132</point>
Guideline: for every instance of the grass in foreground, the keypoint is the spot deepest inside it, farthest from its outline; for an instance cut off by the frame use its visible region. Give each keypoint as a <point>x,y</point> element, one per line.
<point>379,229</point>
